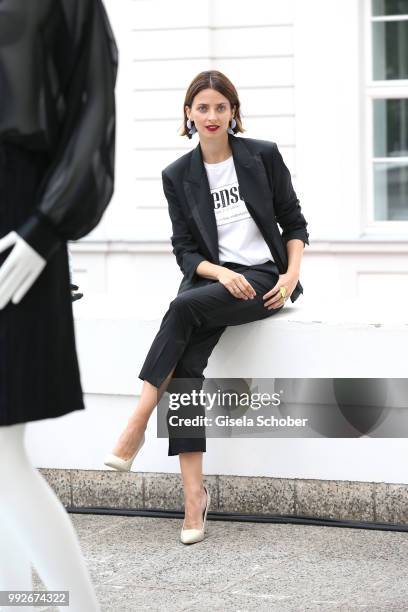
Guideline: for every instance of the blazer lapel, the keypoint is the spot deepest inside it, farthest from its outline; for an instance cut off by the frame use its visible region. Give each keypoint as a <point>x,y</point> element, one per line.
<point>253,185</point>
<point>200,200</point>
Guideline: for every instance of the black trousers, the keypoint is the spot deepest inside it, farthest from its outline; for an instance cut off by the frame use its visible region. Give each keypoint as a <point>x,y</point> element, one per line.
<point>191,328</point>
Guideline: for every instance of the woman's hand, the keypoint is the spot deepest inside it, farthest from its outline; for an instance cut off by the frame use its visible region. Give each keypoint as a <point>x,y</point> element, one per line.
<point>236,284</point>
<point>273,297</point>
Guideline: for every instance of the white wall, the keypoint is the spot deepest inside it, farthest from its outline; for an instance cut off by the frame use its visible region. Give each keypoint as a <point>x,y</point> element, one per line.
<point>299,69</point>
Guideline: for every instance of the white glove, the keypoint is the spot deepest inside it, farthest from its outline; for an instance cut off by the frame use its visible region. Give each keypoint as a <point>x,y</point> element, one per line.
<point>20,269</point>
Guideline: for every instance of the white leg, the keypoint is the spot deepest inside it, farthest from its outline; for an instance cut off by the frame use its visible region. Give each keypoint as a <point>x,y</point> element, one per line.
<point>15,565</point>
<point>39,521</point>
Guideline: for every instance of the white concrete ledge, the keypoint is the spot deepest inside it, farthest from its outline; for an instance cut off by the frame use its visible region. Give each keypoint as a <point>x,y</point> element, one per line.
<point>303,340</point>
<point>325,339</point>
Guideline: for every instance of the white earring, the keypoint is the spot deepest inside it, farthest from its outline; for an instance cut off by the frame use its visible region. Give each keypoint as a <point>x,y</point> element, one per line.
<point>191,128</point>
<point>231,128</point>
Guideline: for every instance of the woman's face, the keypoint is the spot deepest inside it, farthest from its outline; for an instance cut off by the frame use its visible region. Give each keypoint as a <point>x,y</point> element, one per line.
<point>210,108</point>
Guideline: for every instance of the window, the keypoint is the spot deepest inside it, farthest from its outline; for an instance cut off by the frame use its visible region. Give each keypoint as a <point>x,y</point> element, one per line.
<point>388,100</point>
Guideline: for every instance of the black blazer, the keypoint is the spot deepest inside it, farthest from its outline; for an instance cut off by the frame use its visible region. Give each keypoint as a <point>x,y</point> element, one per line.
<point>266,187</point>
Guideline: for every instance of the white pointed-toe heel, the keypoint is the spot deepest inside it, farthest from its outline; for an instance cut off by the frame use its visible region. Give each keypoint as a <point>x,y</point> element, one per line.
<point>190,536</point>
<point>122,465</point>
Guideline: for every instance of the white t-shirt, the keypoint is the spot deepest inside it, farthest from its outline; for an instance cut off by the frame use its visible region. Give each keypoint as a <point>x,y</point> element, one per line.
<point>239,238</point>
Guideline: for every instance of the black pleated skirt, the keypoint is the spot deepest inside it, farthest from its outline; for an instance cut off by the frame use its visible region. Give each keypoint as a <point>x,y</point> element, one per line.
<point>39,373</point>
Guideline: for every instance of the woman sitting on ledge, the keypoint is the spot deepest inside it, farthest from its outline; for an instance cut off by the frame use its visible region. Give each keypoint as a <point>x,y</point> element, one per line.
<point>225,199</point>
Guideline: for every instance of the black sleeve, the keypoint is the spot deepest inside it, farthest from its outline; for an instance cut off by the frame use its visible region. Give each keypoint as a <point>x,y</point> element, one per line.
<point>185,248</point>
<point>287,208</point>
<point>79,184</point>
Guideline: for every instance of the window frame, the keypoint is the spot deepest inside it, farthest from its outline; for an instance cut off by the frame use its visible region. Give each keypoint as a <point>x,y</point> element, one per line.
<point>378,89</point>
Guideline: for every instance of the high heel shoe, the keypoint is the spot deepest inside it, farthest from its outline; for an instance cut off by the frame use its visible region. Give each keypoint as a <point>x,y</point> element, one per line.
<point>122,465</point>
<point>190,536</point>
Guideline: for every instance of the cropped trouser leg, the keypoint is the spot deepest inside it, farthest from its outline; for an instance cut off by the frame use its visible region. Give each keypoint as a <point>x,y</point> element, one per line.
<point>190,368</point>
<point>193,325</point>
